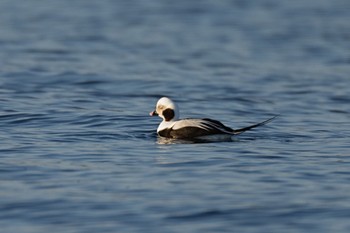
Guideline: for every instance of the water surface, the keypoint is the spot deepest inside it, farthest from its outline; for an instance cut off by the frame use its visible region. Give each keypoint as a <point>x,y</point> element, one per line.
<point>79,153</point>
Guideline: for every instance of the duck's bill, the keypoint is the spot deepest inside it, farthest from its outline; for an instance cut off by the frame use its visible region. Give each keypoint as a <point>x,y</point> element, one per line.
<point>153,113</point>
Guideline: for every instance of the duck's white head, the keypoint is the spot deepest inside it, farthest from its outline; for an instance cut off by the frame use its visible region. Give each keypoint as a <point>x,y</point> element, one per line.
<point>166,109</point>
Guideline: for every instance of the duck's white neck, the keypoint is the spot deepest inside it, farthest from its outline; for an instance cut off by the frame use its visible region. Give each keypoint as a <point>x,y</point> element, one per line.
<point>165,124</point>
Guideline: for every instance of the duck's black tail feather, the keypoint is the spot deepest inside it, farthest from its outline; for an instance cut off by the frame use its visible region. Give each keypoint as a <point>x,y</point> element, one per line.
<point>241,130</point>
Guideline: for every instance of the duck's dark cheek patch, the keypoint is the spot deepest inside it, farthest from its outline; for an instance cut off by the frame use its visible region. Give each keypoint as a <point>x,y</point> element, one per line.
<point>168,114</point>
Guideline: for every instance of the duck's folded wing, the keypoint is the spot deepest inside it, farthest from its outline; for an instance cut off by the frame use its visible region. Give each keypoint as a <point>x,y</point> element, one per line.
<point>200,127</point>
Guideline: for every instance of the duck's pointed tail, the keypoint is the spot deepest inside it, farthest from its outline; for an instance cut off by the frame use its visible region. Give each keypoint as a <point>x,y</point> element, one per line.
<point>241,130</point>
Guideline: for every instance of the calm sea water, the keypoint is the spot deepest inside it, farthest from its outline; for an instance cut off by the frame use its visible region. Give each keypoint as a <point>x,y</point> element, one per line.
<point>79,153</point>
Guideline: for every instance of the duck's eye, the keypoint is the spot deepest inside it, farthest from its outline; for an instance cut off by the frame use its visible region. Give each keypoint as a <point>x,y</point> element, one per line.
<point>160,107</point>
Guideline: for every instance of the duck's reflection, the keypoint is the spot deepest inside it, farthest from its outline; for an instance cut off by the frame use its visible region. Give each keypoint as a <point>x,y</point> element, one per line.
<point>163,140</point>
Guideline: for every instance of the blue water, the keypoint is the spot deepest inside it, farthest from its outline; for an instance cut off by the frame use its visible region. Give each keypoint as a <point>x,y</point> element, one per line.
<point>79,153</point>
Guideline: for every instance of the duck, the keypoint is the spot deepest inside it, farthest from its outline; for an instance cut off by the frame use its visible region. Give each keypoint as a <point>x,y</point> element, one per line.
<point>173,127</point>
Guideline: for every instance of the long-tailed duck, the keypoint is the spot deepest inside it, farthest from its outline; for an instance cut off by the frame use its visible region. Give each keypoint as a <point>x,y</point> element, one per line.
<point>173,127</point>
